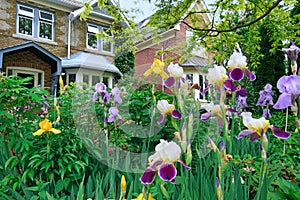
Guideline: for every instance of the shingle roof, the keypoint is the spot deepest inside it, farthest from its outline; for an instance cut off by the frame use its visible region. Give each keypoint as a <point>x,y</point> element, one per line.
<point>90,61</point>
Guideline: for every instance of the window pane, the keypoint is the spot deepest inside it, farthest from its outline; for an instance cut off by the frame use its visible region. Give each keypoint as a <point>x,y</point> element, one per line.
<point>107,46</point>
<point>72,78</point>
<point>45,30</point>
<point>46,16</point>
<point>25,25</point>
<point>9,72</point>
<point>95,80</point>
<point>86,79</point>
<point>190,78</point>
<point>105,81</point>
<point>25,11</point>
<point>92,29</point>
<point>92,41</point>
<point>40,79</point>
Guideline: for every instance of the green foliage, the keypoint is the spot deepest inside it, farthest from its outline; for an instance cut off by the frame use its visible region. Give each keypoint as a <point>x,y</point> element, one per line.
<point>125,62</point>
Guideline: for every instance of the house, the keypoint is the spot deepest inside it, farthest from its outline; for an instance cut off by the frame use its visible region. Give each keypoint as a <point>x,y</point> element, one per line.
<point>44,39</point>
<point>177,36</point>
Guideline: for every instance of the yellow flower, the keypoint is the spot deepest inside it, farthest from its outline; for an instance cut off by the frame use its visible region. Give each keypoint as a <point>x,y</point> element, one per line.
<point>141,197</point>
<point>123,184</point>
<point>157,67</point>
<point>46,126</point>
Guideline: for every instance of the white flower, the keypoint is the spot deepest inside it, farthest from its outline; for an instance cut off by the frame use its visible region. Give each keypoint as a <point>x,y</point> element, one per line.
<point>237,60</point>
<point>175,70</point>
<point>164,107</point>
<point>256,125</point>
<point>217,75</point>
<point>166,152</point>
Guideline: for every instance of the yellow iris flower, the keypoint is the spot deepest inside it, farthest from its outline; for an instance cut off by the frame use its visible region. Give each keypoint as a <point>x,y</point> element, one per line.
<point>123,184</point>
<point>157,67</point>
<point>46,126</point>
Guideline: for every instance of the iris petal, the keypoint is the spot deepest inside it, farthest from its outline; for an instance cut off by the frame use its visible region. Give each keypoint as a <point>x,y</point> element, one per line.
<point>254,137</point>
<point>236,74</point>
<point>284,101</point>
<point>250,75</point>
<point>245,133</point>
<point>206,116</point>
<point>280,133</point>
<point>148,176</point>
<point>176,114</point>
<point>167,172</point>
<point>170,82</point>
<point>161,118</point>
<point>229,85</point>
<point>184,164</point>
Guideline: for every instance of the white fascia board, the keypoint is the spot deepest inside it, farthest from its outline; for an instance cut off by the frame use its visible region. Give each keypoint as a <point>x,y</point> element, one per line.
<point>53,5</point>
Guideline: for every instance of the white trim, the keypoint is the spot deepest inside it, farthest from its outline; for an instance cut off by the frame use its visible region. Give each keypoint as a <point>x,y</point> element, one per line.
<point>27,37</point>
<point>26,70</point>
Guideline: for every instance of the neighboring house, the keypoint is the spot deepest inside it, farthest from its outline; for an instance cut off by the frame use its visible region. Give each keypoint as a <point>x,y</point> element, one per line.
<point>177,36</point>
<point>45,38</point>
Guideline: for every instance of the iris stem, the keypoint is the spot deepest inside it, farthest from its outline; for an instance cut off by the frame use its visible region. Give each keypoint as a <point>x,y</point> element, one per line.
<point>285,128</point>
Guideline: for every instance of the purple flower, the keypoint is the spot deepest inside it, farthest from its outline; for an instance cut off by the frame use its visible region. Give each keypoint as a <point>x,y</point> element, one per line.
<point>238,67</point>
<point>290,88</point>
<point>266,113</point>
<point>101,90</point>
<point>265,96</point>
<point>241,92</point>
<point>292,52</point>
<point>166,154</point>
<point>258,127</point>
<point>222,145</point>
<point>167,109</point>
<point>115,92</point>
<point>113,113</point>
<point>241,102</point>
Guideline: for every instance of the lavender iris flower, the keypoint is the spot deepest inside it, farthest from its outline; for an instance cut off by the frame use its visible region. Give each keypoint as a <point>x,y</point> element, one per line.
<point>292,52</point>
<point>113,113</point>
<point>290,88</point>
<point>265,96</point>
<point>115,92</point>
<point>241,102</point>
<point>102,91</point>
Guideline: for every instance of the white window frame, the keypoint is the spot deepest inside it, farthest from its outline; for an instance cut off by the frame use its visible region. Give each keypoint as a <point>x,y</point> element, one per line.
<point>47,21</point>
<point>25,14</point>
<point>36,19</point>
<point>31,71</point>
<point>94,29</point>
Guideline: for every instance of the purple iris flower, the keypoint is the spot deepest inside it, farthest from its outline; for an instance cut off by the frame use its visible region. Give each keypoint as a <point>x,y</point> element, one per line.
<point>113,113</point>
<point>292,52</point>
<point>166,154</point>
<point>267,113</point>
<point>241,92</point>
<point>241,102</point>
<point>102,91</point>
<point>289,86</point>
<point>115,92</point>
<point>258,127</point>
<point>265,96</point>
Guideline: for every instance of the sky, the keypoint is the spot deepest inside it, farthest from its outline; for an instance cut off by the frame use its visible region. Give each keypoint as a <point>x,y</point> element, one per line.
<point>144,5</point>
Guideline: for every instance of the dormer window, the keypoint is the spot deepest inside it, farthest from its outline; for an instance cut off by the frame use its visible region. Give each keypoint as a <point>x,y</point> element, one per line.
<point>93,42</point>
<point>35,22</point>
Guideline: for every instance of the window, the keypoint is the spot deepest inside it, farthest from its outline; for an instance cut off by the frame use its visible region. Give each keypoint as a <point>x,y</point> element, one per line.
<point>35,22</point>
<point>96,43</point>
<point>24,72</point>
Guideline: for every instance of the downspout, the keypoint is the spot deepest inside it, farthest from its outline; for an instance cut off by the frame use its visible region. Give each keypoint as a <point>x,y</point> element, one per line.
<point>72,16</point>
<point>69,39</point>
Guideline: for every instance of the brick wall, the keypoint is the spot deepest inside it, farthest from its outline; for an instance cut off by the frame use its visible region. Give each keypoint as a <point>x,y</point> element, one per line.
<point>29,60</point>
<point>8,35</point>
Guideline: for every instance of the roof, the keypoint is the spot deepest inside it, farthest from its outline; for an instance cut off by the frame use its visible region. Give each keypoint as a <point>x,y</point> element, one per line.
<point>196,61</point>
<point>35,48</point>
<point>90,61</point>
